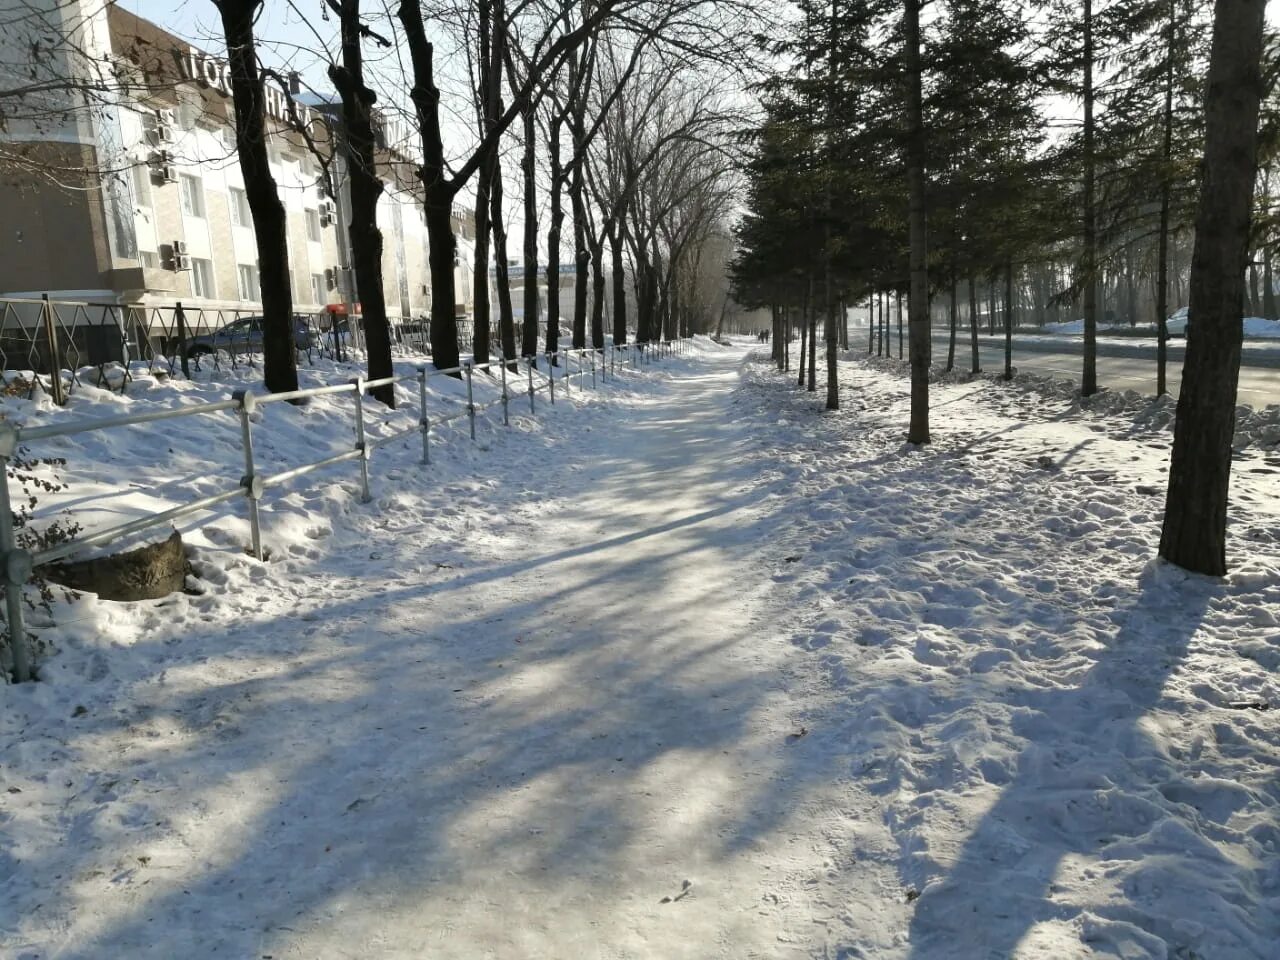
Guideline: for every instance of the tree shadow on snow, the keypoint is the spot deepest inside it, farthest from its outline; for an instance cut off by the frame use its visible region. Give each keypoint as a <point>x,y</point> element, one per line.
<point>1059,804</point>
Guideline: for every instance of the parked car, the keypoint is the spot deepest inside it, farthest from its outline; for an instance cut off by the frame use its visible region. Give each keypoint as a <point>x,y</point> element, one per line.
<point>243,336</point>
<point>1177,323</point>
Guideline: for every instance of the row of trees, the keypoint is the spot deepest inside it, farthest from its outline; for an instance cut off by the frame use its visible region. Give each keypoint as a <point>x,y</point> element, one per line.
<point>599,99</point>
<point>624,150</point>
<point>900,154</point>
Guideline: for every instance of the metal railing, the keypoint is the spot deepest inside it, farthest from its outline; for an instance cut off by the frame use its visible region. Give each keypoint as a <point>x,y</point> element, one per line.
<point>54,340</point>
<point>17,564</point>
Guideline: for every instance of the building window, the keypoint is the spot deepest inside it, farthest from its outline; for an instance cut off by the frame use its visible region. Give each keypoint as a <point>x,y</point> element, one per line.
<point>192,195</point>
<point>240,215</point>
<point>318,288</point>
<point>141,185</point>
<point>313,225</point>
<point>250,287</point>
<point>202,278</point>
<point>149,259</point>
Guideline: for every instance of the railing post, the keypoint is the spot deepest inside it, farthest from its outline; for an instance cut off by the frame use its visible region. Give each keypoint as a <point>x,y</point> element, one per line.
<point>55,355</point>
<point>471,401</point>
<point>423,421</point>
<point>529,360</point>
<point>564,379</point>
<point>506,410</point>
<point>593,368</point>
<point>17,563</point>
<point>180,317</point>
<point>252,483</point>
<point>363,447</point>
<point>551,377</point>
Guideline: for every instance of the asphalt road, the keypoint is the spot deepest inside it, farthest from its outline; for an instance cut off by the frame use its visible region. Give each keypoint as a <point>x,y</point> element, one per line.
<point>1129,365</point>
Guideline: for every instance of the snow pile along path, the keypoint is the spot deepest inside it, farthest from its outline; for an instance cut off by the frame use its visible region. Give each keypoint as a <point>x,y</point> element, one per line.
<point>689,669</point>
<point>1067,740</point>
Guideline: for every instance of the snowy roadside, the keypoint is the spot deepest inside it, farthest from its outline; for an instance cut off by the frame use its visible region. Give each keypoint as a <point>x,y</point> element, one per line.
<point>1060,733</point>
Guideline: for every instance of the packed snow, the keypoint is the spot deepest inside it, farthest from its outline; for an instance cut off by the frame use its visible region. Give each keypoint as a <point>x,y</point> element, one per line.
<point>683,667</point>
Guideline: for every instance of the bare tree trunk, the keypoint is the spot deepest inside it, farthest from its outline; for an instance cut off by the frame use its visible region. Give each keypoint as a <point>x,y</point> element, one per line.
<point>506,312</point>
<point>279,365</point>
<point>1195,520</point>
<point>438,203</point>
<point>619,288</point>
<point>528,169</point>
<point>366,188</point>
<point>553,239</point>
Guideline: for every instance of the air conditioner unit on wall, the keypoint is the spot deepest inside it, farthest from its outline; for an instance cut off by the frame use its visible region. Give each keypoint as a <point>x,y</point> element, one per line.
<point>165,122</point>
<point>162,167</point>
<point>178,259</point>
<point>331,278</point>
<point>328,213</point>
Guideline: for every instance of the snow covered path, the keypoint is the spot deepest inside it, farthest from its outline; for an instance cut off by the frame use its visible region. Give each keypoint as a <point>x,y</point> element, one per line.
<point>506,735</point>
<point>867,702</point>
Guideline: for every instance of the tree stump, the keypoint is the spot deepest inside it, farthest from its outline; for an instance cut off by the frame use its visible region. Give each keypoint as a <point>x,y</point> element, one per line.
<point>147,573</point>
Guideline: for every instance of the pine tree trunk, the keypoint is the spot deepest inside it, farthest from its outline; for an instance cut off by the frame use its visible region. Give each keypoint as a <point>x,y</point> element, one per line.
<point>1089,376</point>
<point>279,363</point>
<point>953,319</point>
<point>901,328</point>
<point>872,324</point>
<point>1268,286</point>
<point>1166,189</point>
<point>811,311</point>
<point>976,359</point>
<point>365,186</point>
<point>804,340</point>
<point>1195,521</point>
<point>1008,322</point>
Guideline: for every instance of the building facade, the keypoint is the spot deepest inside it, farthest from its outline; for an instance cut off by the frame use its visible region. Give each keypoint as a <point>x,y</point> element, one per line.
<point>167,220</point>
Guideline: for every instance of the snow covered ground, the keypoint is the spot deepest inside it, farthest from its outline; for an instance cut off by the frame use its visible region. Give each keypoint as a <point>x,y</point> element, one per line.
<point>1254,327</point>
<point>687,668</point>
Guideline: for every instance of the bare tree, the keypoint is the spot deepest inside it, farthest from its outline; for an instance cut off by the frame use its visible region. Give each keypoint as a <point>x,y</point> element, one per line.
<point>269,227</point>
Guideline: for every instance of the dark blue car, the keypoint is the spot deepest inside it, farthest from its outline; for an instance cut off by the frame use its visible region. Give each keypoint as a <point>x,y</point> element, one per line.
<point>243,336</point>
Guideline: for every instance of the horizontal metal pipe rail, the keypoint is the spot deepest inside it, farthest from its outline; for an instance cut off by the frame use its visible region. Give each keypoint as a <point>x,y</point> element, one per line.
<point>19,564</point>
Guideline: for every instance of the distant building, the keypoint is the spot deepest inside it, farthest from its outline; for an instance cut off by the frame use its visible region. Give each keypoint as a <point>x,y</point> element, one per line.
<point>169,221</point>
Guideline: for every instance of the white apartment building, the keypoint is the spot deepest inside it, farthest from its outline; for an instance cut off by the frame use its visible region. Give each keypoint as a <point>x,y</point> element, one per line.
<point>169,221</point>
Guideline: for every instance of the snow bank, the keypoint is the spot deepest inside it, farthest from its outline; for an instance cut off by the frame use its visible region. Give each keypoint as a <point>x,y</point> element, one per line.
<point>1113,409</point>
<point>1256,327</point>
<point>1054,730</point>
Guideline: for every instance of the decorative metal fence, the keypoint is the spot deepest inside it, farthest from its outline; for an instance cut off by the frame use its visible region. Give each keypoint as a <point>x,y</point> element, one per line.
<point>53,341</point>
<point>505,382</point>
